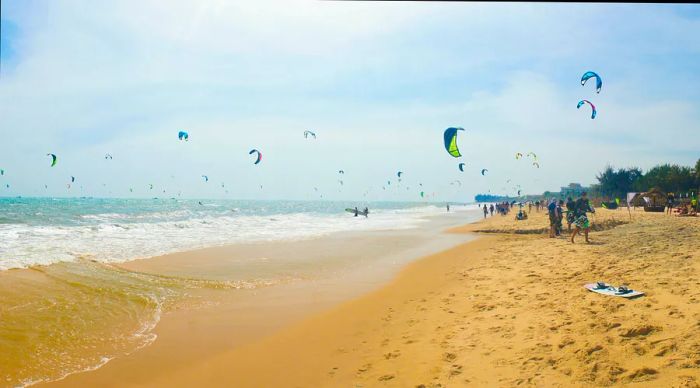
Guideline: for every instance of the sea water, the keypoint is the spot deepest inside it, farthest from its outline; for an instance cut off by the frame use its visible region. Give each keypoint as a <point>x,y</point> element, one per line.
<point>42,231</point>
<point>64,306</point>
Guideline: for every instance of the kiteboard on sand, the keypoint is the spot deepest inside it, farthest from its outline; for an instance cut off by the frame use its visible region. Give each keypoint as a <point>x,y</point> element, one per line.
<point>607,289</point>
<point>359,212</point>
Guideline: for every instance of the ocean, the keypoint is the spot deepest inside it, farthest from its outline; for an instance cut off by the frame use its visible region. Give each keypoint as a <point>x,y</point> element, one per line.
<point>42,231</point>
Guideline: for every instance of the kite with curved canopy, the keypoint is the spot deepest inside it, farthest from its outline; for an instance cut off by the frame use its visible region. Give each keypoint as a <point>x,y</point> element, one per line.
<point>591,74</point>
<point>259,157</point>
<point>450,138</point>
<point>593,110</point>
<point>53,159</point>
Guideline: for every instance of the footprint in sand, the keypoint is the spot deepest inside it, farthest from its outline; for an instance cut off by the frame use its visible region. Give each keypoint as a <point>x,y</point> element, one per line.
<point>364,368</point>
<point>391,355</point>
<point>642,374</point>
<point>449,357</point>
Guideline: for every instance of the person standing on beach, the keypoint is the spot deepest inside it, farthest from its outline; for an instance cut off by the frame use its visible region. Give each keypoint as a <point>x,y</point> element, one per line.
<point>560,217</point>
<point>570,214</point>
<point>582,207</point>
<point>669,202</point>
<point>491,210</point>
<point>366,211</point>
<point>552,210</point>
<point>486,211</point>
<point>356,211</point>
<point>448,206</point>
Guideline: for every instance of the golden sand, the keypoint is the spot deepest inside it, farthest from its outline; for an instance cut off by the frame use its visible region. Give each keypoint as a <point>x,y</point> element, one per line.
<point>508,309</point>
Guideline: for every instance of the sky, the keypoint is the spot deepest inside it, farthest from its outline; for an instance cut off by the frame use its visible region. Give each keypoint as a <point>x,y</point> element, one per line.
<point>377,82</point>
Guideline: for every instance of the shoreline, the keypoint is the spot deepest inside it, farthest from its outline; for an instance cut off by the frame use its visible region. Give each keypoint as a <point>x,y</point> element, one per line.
<point>373,259</point>
<point>507,309</point>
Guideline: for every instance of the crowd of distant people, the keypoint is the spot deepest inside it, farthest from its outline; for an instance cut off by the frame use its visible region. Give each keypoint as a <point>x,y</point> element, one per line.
<point>575,212</point>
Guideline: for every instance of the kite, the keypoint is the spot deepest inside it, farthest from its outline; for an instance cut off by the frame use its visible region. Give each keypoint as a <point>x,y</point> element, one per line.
<point>182,135</point>
<point>589,103</point>
<point>53,159</point>
<point>341,182</point>
<point>222,185</point>
<point>2,172</point>
<point>533,155</point>
<point>450,138</point>
<point>398,174</point>
<point>461,167</point>
<point>456,181</point>
<point>151,186</point>
<point>108,156</point>
<point>422,194</point>
<point>518,155</point>
<point>483,172</point>
<point>72,178</point>
<point>591,74</point>
<point>518,192</point>
<point>253,151</point>
<point>68,186</point>
<point>536,164</point>
<point>131,190</point>
<point>307,133</point>
<point>341,172</point>
<point>206,178</point>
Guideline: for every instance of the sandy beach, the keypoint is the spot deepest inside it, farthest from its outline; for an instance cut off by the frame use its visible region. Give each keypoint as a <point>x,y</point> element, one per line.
<point>507,309</point>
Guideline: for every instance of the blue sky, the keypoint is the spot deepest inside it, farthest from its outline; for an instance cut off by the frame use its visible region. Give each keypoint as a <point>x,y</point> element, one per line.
<point>378,83</point>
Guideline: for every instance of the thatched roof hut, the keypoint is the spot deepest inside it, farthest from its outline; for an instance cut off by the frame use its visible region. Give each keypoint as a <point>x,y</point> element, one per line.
<point>653,200</point>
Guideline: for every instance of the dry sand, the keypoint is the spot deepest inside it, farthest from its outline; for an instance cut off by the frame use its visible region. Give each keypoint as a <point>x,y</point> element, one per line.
<point>506,310</point>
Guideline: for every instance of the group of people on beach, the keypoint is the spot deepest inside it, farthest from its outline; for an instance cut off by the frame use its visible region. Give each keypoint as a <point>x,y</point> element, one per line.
<point>576,215</point>
<point>502,208</point>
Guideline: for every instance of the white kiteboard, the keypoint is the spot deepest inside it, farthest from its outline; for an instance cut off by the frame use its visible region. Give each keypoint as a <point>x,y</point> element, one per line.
<point>608,289</point>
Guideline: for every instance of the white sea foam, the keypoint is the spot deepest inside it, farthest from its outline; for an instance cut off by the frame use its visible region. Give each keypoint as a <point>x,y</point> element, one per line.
<point>116,237</point>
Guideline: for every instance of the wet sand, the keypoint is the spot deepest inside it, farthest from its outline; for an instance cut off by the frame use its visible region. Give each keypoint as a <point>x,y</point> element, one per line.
<point>507,309</point>
<point>316,275</point>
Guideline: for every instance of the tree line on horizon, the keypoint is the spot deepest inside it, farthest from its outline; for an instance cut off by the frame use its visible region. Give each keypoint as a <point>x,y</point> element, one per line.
<point>669,178</point>
<point>616,183</point>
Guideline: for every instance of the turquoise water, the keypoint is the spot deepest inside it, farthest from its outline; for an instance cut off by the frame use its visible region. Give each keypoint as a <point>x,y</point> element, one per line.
<point>50,230</point>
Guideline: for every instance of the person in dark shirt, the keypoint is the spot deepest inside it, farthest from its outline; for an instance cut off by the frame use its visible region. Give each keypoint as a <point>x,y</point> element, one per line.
<point>560,217</point>
<point>570,215</point>
<point>552,210</point>
<point>669,202</point>
<point>581,222</point>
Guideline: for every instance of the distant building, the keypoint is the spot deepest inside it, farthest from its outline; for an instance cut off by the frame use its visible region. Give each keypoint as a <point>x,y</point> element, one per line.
<point>573,189</point>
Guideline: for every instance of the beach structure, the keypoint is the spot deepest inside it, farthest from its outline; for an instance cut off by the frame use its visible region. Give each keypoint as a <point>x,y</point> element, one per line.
<point>653,200</point>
